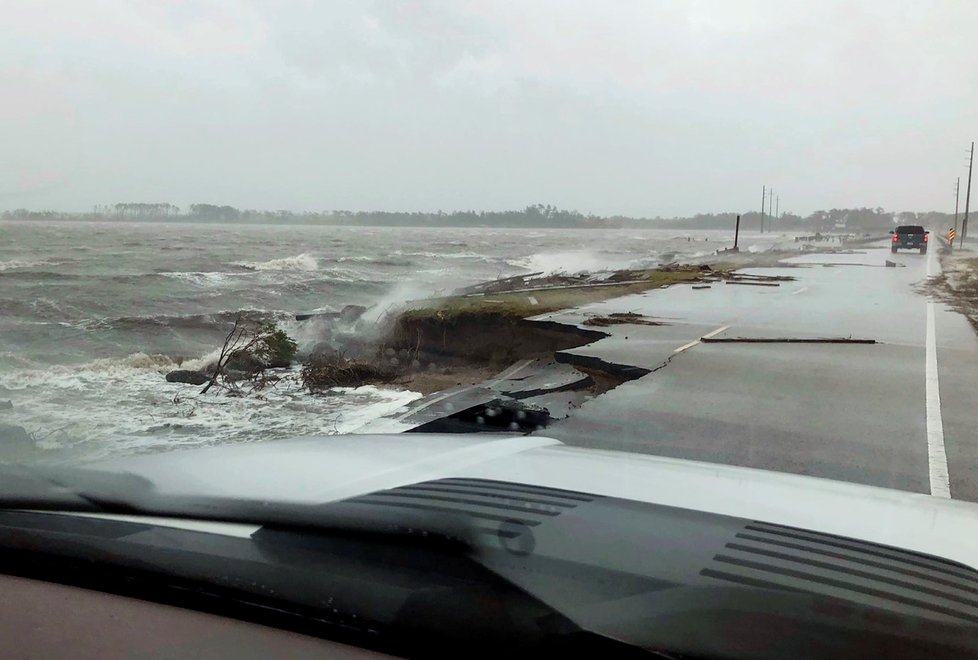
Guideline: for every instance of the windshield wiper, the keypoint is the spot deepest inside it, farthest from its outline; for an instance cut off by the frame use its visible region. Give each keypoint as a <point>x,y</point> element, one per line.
<point>75,490</point>
<point>414,578</point>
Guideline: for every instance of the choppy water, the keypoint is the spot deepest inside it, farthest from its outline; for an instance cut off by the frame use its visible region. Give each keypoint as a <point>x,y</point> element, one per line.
<point>93,314</point>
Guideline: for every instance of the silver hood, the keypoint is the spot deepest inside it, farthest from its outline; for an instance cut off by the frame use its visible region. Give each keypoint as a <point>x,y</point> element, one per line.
<point>323,469</point>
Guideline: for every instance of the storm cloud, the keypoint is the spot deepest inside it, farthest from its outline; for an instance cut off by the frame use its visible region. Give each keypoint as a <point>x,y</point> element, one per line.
<point>633,107</point>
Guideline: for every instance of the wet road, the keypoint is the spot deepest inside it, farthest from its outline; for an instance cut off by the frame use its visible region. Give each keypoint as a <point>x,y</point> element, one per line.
<point>901,413</point>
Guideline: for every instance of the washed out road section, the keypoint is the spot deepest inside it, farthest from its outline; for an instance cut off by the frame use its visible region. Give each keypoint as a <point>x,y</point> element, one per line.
<point>852,412</point>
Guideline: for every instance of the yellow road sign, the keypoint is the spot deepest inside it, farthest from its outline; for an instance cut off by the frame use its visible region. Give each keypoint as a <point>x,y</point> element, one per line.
<point>950,234</point>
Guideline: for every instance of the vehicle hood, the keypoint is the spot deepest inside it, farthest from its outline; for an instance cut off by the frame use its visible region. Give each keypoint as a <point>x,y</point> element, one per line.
<point>317,470</point>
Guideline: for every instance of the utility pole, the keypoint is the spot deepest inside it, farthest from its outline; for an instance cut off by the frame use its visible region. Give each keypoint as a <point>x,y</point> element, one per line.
<point>967,196</point>
<point>763,200</point>
<point>770,209</point>
<point>777,207</point>
<point>957,196</point>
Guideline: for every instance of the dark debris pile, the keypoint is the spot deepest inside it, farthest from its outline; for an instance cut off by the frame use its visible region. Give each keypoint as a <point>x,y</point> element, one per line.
<point>327,371</point>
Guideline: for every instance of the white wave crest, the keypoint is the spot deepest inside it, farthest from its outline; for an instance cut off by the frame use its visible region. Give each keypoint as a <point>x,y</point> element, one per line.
<point>442,255</point>
<point>82,376</point>
<point>575,261</point>
<point>200,278</point>
<point>125,406</point>
<point>47,308</point>
<point>12,264</point>
<point>300,262</point>
<point>196,364</point>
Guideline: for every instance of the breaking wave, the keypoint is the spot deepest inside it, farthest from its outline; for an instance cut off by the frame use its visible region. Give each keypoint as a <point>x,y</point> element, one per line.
<point>289,278</point>
<point>375,261</point>
<point>300,262</point>
<point>124,406</point>
<point>67,375</point>
<point>576,261</point>
<point>202,278</point>
<point>38,309</point>
<point>212,321</point>
<point>443,255</point>
<point>12,264</point>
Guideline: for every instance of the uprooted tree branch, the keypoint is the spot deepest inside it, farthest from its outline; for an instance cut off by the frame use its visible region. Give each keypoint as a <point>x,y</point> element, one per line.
<point>253,354</point>
<point>251,349</point>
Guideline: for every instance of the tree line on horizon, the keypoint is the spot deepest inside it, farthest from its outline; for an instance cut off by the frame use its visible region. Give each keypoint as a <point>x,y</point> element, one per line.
<point>533,216</point>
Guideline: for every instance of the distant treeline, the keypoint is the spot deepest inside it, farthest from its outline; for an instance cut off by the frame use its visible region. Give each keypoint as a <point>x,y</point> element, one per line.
<point>535,216</point>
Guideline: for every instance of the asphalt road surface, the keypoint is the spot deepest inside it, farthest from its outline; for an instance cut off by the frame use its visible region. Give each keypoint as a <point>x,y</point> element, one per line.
<point>901,413</point>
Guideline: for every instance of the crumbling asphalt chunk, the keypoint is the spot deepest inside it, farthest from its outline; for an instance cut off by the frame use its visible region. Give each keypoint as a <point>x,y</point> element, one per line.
<point>501,414</point>
<point>541,378</point>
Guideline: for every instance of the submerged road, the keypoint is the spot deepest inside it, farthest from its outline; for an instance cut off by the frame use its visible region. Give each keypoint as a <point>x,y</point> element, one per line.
<point>901,413</point>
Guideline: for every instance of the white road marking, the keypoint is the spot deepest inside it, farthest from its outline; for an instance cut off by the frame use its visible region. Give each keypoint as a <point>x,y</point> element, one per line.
<point>940,481</point>
<point>715,332</point>
<point>696,341</point>
<point>801,290</point>
<point>533,301</point>
<point>685,346</point>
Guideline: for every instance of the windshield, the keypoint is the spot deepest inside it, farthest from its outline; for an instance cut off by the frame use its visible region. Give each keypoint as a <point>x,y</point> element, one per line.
<point>483,239</point>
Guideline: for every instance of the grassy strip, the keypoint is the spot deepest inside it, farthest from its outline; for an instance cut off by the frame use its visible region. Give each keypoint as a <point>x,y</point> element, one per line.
<point>519,305</point>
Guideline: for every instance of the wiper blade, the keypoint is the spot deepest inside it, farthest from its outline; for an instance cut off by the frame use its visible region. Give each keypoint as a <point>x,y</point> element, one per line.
<point>24,487</point>
<point>77,490</point>
<point>291,538</point>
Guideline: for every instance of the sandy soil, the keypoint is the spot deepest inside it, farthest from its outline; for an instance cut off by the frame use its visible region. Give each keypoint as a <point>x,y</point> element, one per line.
<point>428,382</point>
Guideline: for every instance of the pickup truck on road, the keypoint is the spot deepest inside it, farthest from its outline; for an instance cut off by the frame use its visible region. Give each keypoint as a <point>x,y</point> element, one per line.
<point>909,237</point>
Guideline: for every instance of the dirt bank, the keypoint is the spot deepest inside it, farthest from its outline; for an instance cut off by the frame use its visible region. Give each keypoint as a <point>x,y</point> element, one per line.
<point>489,338</point>
<point>957,284</point>
<point>491,330</point>
<point>469,338</point>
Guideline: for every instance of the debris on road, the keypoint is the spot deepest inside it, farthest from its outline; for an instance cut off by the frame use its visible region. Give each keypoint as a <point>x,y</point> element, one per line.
<point>619,318</point>
<point>503,284</point>
<point>734,277</point>
<point>737,277</point>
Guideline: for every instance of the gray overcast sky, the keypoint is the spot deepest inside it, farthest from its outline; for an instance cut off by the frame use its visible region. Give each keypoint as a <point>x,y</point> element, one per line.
<point>648,107</point>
